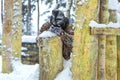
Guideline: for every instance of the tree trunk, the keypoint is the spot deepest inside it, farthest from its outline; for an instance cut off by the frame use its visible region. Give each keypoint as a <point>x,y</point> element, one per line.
<point>84,57</point>
<point>28,22</point>
<point>103,18</point>
<point>118,56</point>
<point>17,29</point>
<point>69,8</point>
<point>2,11</point>
<point>38,20</point>
<point>6,37</point>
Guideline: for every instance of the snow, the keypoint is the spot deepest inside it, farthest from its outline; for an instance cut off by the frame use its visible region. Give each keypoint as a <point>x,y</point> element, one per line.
<point>109,25</point>
<point>0,64</point>
<point>118,17</point>
<point>118,9</point>
<point>66,74</point>
<point>46,34</point>
<point>29,39</point>
<point>23,54</point>
<point>21,72</point>
<point>0,41</point>
<point>31,72</point>
<point>24,48</point>
<point>113,4</point>
<point>34,21</point>
<point>81,2</point>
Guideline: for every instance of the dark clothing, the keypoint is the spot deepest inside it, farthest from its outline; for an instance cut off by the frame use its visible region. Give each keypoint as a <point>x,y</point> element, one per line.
<point>66,38</point>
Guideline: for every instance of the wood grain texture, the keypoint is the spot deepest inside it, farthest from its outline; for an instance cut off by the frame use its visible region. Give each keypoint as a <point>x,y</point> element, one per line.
<point>84,57</point>
<point>50,57</point>
<point>6,37</point>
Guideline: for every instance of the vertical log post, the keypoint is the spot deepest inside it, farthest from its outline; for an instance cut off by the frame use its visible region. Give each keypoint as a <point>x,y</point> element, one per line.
<point>111,51</point>
<point>101,57</point>
<point>17,29</point>
<point>118,57</point>
<point>50,57</point>
<point>6,37</point>
<point>85,46</point>
<point>107,43</point>
<point>103,18</point>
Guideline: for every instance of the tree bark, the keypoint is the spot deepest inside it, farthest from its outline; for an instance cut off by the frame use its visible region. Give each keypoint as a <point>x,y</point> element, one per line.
<point>111,51</point>
<point>6,37</point>
<point>118,57</point>
<point>17,29</point>
<point>69,8</point>
<point>38,20</point>
<point>28,22</point>
<point>103,18</point>
<point>84,56</point>
<point>50,57</point>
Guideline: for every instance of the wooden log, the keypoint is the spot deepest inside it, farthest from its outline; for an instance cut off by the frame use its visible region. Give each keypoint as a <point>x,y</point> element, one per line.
<point>111,58</point>
<point>50,57</point>
<point>111,51</point>
<point>101,57</point>
<point>118,57</point>
<point>105,31</point>
<point>17,29</point>
<point>103,18</point>
<point>85,46</point>
<point>6,37</point>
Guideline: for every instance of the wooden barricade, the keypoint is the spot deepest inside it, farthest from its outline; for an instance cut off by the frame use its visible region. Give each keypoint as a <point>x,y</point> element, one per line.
<point>50,57</point>
<point>96,51</point>
<point>85,46</point>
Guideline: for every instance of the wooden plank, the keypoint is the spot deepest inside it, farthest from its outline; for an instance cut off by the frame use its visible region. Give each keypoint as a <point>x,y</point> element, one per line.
<point>105,31</point>
<point>50,57</point>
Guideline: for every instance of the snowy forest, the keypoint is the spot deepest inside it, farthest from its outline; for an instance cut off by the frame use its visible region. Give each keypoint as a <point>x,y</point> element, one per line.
<point>59,39</point>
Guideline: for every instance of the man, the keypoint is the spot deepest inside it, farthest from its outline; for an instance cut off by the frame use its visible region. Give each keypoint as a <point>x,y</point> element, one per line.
<point>59,24</point>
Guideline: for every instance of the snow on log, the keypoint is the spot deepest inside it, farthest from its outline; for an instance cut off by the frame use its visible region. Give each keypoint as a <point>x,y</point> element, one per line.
<point>109,25</point>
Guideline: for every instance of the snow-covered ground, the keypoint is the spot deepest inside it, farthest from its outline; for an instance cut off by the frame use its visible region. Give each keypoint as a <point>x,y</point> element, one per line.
<point>31,72</point>
<point>21,72</point>
<point>29,39</point>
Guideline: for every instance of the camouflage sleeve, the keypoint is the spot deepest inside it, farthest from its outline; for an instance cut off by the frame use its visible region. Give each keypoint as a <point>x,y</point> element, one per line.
<point>67,41</point>
<point>45,27</point>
